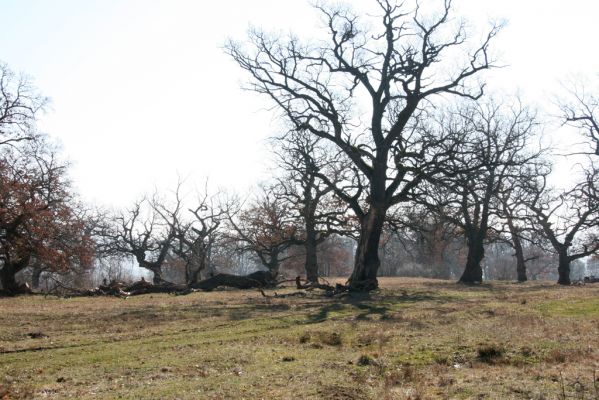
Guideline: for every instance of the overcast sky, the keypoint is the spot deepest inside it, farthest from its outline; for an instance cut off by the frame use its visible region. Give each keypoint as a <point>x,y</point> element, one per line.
<point>142,91</point>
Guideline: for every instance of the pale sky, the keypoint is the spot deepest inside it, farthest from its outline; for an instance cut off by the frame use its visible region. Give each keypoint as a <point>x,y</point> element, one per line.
<point>142,91</point>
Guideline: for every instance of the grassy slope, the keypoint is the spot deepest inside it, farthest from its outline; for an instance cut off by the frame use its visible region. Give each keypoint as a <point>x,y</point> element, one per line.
<point>413,339</point>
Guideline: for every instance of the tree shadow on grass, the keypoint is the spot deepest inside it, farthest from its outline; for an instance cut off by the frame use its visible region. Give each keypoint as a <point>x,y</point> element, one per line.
<point>246,312</point>
<point>493,286</point>
<point>363,306</point>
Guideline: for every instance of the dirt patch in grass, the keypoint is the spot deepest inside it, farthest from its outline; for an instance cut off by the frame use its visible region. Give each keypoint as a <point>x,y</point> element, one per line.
<point>339,392</point>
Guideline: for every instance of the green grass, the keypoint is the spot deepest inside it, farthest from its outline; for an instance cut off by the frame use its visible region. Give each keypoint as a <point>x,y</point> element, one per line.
<point>582,307</point>
<point>412,339</point>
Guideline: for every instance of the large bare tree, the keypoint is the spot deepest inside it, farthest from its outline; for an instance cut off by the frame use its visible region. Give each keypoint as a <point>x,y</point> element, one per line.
<point>516,228</point>
<point>491,144</point>
<point>144,233</point>
<point>360,89</point>
<point>265,228</point>
<point>196,232</point>
<point>303,158</point>
<point>569,219</point>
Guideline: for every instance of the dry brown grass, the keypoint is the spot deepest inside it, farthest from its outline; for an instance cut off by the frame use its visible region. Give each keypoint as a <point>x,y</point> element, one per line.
<point>413,339</point>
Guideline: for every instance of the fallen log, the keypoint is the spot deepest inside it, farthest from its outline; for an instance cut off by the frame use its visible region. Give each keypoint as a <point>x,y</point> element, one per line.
<point>122,290</point>
<point>255,280</point>
<point>591,279</point>
<point>260,279</point>
<point>145,287</point>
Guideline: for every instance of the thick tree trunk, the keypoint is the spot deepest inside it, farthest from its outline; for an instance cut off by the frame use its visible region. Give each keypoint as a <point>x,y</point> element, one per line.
<point>195,276</point>
<point>473,272</point>
<point>7,278</point>
<point>36,274</point>
<point>155,267</point>
<point>199,265</point>
<point>311,256</point>
<point>209,269</point>
<point>272,263</point>
<point>519,252</point>
<point>563,268</point>
<point>520,263</point>
<point>157,280</point>
<point>367,262</point>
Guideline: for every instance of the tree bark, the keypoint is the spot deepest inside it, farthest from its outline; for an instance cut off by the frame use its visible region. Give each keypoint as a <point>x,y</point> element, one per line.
<point>311,256</point>
<point>7,278</point>
<point>563,268</point>
<point>195,276</point>
<point>520,263</point>
<point>473,272</point>
<point>36,274</point>
<point>209,269</point>
<point>198,265</point>
<point>367,262</point>
<point>272,263</point>
<point>519,252</point>
<point>7,275</point>
<point>157,279</point>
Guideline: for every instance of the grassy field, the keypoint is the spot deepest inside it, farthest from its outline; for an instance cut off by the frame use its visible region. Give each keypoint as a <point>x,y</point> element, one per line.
<point>413,339</point>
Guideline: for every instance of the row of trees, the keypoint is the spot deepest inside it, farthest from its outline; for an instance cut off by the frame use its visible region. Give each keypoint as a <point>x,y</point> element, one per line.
<point>372,93</point>
<point>386,142</point>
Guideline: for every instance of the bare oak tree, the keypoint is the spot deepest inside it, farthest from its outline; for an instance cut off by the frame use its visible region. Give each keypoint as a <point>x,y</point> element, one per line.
<point>143,233</point>
<point>265,228</point>
<point>582,112</point>
<point>569,219</point>
<point>20,104</point>
<point>196,232</point>
<point>303,159</point>
<point>516,228</point>
<point>491,144</point>
<point>359,90</point>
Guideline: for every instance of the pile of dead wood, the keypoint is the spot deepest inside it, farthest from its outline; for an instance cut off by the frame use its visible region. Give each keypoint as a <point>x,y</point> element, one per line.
<point>307,286</point>
<point>255,280</point>
<point>591,279</point>
<point>258,280</point>
<point>120,289</point>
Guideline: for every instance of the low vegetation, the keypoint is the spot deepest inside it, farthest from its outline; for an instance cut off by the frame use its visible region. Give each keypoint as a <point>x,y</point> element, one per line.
<point>412,339</point>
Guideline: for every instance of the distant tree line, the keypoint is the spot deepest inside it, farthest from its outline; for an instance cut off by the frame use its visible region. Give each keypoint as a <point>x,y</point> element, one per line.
<point>393,161</point>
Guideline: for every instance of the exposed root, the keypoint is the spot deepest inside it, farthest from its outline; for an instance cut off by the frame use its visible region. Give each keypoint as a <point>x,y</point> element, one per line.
<point>312,285</point>
<point>362,286</point>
